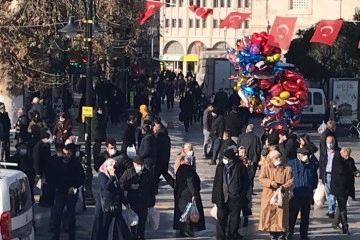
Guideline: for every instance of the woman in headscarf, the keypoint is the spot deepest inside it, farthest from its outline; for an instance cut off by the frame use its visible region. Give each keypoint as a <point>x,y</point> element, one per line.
<point>187,189</point>
<point>62,129</point>
<point>108,205</point>
<point>145,115</point>
<point>273,175</point>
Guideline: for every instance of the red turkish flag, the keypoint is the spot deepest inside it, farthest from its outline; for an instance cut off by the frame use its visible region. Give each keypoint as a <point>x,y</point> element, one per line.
<point>234,20</point>
<point>151,8</point>
<point>326,31</point>
<point>201,12</point>
<point>281,32</point>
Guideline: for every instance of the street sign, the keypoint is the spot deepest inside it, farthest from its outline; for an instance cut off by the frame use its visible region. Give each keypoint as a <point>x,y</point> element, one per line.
<point>87,111</point>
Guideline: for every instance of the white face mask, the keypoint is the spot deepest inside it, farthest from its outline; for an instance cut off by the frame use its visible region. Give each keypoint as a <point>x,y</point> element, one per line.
<point>277,163</point>
<point>22,152</point>
<point>59,154</point>
<point>190,153</point>
<point>225,161</point>
<point>213,114</point>
<point>99,112</point>
<point>139,169</point>
<point>112,152</point>
<point>305,158</point>
<point>77,154</point>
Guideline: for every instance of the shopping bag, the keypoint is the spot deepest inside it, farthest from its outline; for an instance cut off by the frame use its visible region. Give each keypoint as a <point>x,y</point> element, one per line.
<point>213,212</point>
<point>130,217</point>
<point>80,202</point>
<point>154,218</point>
<point>319,195</point>
<point>184,217</point>
<point>276,198</point>
<point>194,215</point>
<point>131,151</point>
<point>322,127</point>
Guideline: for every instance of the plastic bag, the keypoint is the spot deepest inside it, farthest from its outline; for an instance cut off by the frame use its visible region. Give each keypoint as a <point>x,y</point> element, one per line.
<point>319,195</point>
<point>130,217</point>
<point>154,218</point>
<point>213,212</point>
<point>276,198</point>
<point>194,215</point>
<point>80,202</point>
<point>322,127</point>
<point>185,216</point>
<point>131,151</point>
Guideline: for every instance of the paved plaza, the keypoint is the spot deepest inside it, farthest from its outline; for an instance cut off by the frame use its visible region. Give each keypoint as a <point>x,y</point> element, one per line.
<point>320,225</point>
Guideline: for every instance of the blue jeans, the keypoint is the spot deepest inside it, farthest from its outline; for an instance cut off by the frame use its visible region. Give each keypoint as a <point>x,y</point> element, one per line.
<point>329,197</point>
<point>62,200</point>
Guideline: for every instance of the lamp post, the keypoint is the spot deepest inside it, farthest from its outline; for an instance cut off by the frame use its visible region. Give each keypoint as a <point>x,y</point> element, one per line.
<point>152,32</point>
<point>92,29</point>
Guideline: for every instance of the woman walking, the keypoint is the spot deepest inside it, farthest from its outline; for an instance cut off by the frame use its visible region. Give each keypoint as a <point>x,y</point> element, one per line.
<point>108,205</point>
<point>187,189</point>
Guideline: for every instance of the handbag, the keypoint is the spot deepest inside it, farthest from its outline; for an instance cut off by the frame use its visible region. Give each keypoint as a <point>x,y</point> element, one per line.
<point>109,206</point>
<point>181,117</point>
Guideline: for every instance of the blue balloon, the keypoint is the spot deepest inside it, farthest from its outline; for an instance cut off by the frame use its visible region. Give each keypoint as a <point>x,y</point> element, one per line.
<point>296,117</point>
<point>287,114</point>
<point>247,90</point>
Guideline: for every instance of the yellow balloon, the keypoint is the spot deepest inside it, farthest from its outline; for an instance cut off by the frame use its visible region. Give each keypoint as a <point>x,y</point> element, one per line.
<point>277,102</point>
<point>242,80</point>
<point>273,58</point>
<point>284,95</point>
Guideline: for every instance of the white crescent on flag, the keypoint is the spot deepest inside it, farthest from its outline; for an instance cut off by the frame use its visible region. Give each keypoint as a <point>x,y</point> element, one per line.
<point>327,27</point>
<point>282,26</point>
<point>150,7</point>
<point>200,11</point>
<point>237,17</point>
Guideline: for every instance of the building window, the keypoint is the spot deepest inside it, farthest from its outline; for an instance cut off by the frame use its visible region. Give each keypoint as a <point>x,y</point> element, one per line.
<point>228,3</point>
<point>191,23</point>
<point>204,23</point>
<point>222,3</point>
<point>204,3</point>
<point>181,3</point>
<point>197,23</point>
<point>215,3</point>
<point>246,24</point>
<point>167,22</point>
<point>299,4</point>
<point>191,2</point>
<point>180,23</point>
<point>240,3</point>
<point>198,2</point>
<point>247,3</point>
<point>215,23</point>
<point>173,23</point>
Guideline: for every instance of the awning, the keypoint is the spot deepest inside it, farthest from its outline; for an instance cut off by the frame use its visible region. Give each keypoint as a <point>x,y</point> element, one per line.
<point>171,57</point>
<point>191,58</point>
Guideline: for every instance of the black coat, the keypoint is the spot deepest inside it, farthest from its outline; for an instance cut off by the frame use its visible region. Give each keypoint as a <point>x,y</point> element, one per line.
<point>220,101</point>
<point>98,127</point>
<point>41,155</point>
<point>252,144</point>
<point>323,147</point>
<point>291,146</point>
<point>163,150</point>
<point>343,178</point>
<point>217,127</point>
<point>144,196</point>
<point>238,187</point>
<point>233,123</point>
<point>129,136</point>
<point>5,125</point>
<point>110,189</point>
<point>22,125</point>
<point>323,162</point>
<point>187,185</point>
<point>186,104</point>
<point>224,146</point>
<point>123,162</point>
<point>148,151</point>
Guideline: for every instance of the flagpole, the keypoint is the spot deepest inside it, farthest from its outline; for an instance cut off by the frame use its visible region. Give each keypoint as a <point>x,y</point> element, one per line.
<point>225,31</point>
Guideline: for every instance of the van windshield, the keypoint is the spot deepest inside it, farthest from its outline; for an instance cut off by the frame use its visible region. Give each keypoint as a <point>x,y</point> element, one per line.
<point>20,199</point>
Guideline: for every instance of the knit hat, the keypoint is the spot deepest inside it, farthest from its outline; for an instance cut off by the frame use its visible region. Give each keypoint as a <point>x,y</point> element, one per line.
<point>230,154</point>
<point>138,160</point>
<point>273,138</point>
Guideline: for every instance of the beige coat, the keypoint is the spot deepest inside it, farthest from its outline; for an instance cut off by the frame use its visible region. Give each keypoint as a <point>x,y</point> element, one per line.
<point>178,159</point>
<point>274,218</point>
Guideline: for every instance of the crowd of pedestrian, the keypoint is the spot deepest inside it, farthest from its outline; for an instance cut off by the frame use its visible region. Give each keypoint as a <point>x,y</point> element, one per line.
<point>129,175</point>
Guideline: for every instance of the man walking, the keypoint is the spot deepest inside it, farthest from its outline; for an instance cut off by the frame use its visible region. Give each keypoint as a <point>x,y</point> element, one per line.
<point>207,119</point>
<point>305,181</point>
<point>216,134</point>
<point>4,134</point>
<point>233,123</point>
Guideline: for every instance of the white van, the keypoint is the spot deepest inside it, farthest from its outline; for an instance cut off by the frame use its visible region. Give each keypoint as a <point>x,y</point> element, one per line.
<point>315,111</point>
<point>16,207</point>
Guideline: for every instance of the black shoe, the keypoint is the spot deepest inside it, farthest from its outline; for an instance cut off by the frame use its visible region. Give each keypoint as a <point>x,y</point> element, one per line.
<point>345,229</point>
<point>304,238</point>
<point>331,215</point>
<point>246,222</point>
<point>212,163</point>
<point>335,226</point>
<point>290,235</point>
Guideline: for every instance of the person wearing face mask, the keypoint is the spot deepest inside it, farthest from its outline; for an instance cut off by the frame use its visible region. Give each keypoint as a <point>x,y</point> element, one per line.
<point>4,134</point>
<point>187,150</point>
<point>62,129</point>
<point>305,182</point>
<point>216,134</point>
<point>343,186</point>
<point>98,129</point>
<point>41,155</point>
<point>36,126</point>
<point>129,138</point>
<point>123,162</point>
<point>329,131</point>
<point>140,186</point>
<point>231,183</point>
<point>325,168</point>
<point>25,164</point>
<point>273,175</point>
<point>68,177</point>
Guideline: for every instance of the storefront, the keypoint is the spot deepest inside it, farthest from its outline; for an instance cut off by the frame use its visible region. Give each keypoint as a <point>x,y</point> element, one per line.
<point>191,63</point>
<point>171,61</point>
